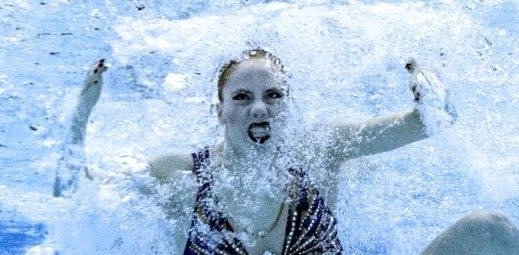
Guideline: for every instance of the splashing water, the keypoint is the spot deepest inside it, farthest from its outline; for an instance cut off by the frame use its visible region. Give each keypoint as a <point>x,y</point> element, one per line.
<point>346,62</point>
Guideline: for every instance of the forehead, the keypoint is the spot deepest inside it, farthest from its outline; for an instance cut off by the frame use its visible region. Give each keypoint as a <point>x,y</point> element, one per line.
<point>253,74</point>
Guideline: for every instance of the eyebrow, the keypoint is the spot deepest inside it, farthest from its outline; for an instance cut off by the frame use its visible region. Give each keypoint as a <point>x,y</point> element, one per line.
<point>275,89</point>
<point>241,90</point>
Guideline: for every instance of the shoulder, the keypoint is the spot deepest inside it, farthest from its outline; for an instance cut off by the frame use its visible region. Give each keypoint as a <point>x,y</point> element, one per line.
<point>165,166</point>
<point>162,167</point>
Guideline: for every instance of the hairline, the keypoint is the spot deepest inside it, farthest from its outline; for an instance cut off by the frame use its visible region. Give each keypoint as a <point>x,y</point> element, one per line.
<point>248,56</point>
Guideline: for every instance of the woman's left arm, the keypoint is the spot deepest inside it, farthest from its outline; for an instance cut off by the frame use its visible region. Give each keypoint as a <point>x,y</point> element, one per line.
<point>390,132</point>
<point>377,135</point>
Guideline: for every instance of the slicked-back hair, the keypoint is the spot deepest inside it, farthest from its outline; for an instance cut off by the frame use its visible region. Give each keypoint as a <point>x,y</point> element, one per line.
<point>254,54</point>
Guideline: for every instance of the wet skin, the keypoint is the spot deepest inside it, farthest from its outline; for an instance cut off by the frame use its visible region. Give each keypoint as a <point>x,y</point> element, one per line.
<point>253,99</point>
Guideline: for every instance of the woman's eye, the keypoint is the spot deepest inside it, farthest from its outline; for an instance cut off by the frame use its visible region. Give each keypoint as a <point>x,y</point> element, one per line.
<point>241,96</point>
<point>274,94</point>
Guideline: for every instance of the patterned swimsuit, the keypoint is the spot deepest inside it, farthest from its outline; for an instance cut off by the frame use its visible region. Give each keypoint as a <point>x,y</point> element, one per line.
<point>311,227</point>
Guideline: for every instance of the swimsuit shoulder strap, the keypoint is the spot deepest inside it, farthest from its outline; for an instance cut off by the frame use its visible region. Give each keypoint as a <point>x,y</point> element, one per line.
<point>200,162</point>
<point>200,159</point>
<point>208,225</point>
<point>311,225</point>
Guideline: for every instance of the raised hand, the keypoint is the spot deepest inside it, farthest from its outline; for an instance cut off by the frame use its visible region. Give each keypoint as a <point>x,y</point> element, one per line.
<point>432,96</point>
<point>72,161</point>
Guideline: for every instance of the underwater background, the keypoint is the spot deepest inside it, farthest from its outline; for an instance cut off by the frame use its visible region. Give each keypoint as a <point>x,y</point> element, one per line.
<point>346,61</point>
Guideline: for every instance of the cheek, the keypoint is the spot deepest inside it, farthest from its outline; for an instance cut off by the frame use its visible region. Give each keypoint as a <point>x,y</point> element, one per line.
<point>278,108</point>
<point>230,114</point>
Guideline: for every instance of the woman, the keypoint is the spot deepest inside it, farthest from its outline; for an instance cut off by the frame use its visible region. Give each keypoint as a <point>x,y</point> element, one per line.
<point>290,216</point>
<point>255,194</point>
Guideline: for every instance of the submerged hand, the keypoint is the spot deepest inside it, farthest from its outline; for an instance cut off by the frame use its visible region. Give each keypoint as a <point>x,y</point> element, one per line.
<point>429,91</point>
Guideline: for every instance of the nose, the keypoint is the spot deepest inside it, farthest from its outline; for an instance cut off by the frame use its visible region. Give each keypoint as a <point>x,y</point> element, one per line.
<point>259,110</point>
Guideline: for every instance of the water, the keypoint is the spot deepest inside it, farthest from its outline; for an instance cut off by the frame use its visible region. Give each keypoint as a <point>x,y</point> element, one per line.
<point>344,57</point>
<point>16,236</point>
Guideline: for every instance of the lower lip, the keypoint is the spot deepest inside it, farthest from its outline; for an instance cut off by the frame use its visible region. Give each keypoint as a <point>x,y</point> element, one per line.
<point>259,140</point>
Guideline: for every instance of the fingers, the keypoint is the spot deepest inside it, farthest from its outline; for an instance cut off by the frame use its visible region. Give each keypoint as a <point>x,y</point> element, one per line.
<point>414,85</point>
<point>417,97</point>
<point>410,65</point>
<point>416,89</point>
<point>94,75</point>
<point>99,67</point>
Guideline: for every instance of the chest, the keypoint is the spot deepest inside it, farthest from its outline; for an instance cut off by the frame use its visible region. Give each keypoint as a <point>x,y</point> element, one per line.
<point>252,205</point>
<point>254,202</point>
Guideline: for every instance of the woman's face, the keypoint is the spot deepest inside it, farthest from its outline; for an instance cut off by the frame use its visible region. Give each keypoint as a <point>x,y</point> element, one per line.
<point>253,98</point>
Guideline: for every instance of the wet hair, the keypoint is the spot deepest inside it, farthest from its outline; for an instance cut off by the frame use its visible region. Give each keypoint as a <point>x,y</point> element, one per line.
<point>254,54</point>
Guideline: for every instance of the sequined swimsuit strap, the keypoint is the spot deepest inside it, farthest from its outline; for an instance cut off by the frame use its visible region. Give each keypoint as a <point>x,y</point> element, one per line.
<point>209,228</point>
<point>311,225</point>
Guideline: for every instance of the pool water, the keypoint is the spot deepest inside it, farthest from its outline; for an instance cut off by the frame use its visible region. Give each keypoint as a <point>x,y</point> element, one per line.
<point>346,63</point>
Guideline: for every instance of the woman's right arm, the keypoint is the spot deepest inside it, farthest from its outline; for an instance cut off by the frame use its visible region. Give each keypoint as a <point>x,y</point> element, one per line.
<point>165,166</point>
<point>175,170</point>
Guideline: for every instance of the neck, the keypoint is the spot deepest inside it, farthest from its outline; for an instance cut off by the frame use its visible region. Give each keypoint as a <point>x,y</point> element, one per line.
<point>256,174</point>
<point>250,156</point>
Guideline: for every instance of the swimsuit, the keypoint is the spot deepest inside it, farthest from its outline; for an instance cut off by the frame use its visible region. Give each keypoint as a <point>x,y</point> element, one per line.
<point>311,226</point>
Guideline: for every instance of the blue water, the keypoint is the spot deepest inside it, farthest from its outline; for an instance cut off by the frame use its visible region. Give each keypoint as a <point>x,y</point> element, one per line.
<point>17,236</point>
<point>346,64</point>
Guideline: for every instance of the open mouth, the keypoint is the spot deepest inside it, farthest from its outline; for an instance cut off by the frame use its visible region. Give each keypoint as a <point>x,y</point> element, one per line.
<point>259,132</point>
